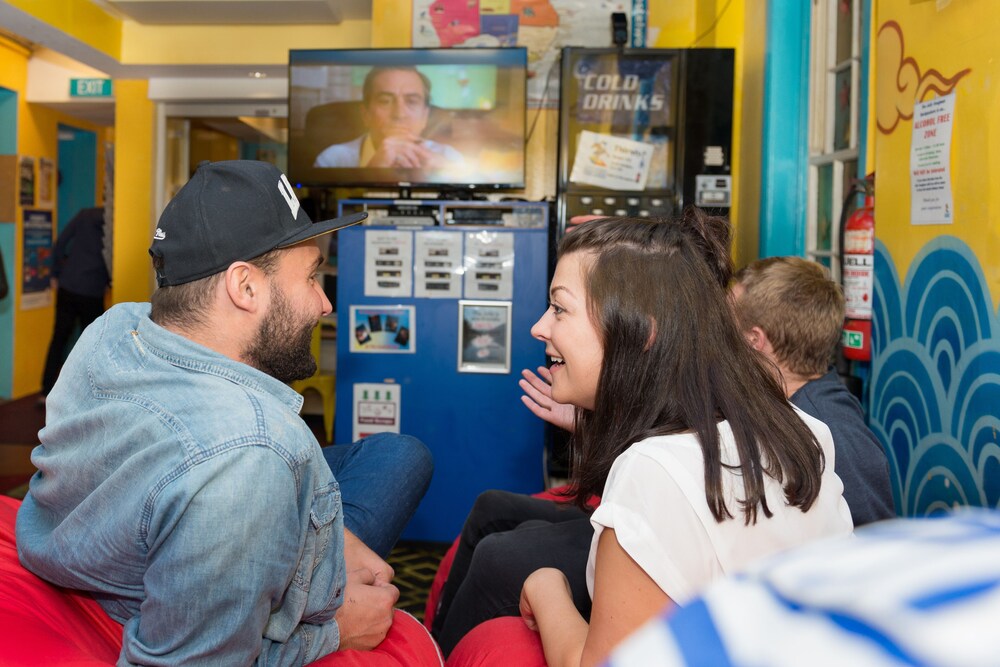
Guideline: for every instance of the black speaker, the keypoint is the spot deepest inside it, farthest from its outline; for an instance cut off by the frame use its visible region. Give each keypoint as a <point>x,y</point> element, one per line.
<point>619,28</point>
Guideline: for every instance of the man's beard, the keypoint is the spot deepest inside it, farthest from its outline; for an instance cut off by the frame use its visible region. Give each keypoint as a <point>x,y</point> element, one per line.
<point>281,345</point>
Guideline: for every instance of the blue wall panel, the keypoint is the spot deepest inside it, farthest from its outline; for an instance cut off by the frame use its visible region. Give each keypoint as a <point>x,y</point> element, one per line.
<point>786,125</point>
<point>7,313</point>
<point>8,146</point>
<point>78,172</point>
<point>935,383</point>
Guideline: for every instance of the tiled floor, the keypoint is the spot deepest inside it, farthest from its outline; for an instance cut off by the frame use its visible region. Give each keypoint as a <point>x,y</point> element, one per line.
<point>415,564</point>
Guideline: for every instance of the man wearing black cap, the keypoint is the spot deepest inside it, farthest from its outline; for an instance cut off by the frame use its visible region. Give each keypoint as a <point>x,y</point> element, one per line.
<point>177,483</point>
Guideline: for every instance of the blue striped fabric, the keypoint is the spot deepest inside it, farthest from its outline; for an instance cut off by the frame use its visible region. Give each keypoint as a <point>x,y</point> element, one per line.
<point>902,592</point>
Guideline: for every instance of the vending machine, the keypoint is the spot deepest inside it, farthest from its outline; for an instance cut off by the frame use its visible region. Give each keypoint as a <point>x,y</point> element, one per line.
<point>434,326</point>
<point>644,132</point>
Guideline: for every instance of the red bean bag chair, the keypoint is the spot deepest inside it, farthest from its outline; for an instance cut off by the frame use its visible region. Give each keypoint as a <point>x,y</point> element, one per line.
<point>500,642</point>
<point>42,624</point>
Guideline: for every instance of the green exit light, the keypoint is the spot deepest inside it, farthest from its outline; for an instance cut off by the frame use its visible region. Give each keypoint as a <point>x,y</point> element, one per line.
<point>90,87</point>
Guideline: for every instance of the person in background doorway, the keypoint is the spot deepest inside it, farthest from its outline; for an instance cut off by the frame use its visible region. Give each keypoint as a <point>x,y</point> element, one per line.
<point>80,278</point>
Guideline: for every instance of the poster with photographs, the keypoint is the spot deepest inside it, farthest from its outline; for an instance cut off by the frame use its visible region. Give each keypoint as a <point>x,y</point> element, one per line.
<point>484,336</point>
<point>438,262</point>
<point>46,182</point>
<point>489,265</point>
<point>383,329</point>
<point>388,263</point>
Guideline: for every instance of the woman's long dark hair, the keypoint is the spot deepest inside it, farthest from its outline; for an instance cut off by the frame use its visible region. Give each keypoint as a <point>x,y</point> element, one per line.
<point>675,361</point>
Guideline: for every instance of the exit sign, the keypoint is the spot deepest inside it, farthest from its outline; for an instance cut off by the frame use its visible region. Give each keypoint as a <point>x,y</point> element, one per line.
<point>90,87</point>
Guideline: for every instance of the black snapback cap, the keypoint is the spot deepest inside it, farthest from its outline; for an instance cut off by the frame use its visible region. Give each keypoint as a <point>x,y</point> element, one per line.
<point>231,211</point>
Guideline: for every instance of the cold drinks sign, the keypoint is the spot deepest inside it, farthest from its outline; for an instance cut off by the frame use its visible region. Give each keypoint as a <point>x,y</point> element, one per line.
<point>90,87</point>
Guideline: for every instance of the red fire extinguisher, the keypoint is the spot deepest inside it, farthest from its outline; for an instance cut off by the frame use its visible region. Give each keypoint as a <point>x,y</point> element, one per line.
<point>857,277</point>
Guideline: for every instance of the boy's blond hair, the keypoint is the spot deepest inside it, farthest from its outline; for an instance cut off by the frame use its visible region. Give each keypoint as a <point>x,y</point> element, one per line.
<point>798,306</point>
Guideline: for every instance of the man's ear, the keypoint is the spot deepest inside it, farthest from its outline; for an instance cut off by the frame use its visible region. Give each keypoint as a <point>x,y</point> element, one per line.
<point>243,283</point>
<point>652,335</point>
<point>757,338</point>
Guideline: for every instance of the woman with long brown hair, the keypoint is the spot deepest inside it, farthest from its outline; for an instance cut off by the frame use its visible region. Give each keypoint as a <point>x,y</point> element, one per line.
<point>701,463</point>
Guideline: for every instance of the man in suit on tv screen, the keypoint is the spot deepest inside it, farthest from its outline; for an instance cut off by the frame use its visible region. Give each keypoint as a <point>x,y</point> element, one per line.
<point>395,108</point>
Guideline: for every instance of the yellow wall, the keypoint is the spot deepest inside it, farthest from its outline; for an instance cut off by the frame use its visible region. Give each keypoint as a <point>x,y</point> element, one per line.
<point>135,127</point>
<point>936,332</point>
<point>37,137</point>
<point>82,19</point>
<point>213,146</point>
<point>392,22</point>
<point>969,31</point>
<point>740,25</point>
<point>234,44</point>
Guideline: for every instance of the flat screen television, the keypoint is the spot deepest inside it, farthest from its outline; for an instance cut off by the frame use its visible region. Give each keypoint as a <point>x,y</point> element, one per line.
<point>442,119</point>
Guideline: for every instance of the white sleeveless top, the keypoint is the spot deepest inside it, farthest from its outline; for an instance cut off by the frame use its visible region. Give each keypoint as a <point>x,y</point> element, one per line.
<point>654,500</point>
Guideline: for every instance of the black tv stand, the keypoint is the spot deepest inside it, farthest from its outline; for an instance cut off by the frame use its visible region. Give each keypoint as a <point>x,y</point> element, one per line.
<point>443,212</point>
<point>460,195</point>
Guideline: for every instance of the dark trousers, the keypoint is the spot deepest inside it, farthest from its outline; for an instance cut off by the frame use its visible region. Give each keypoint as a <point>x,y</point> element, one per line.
<point>71,310</point>
<point>506,537</point>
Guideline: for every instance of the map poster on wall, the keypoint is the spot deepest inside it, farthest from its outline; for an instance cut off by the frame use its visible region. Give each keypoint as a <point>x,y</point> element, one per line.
<point>542,26</point>
<point>36,270</point>
<point>930,162</point>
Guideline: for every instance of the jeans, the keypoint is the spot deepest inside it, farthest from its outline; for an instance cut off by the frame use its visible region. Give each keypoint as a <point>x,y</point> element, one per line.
<point>506,537</point>
<point>382,479</point>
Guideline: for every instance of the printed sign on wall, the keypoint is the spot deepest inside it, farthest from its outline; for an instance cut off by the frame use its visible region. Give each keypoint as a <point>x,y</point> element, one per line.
<point>376,409</point>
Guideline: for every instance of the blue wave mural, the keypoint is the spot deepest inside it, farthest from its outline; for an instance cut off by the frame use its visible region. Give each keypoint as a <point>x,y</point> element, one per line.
<point>935,383</point>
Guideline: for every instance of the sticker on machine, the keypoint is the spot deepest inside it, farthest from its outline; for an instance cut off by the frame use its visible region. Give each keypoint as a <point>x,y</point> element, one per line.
<point>611,162</point>
<point>390,329</point>
<point>376,409</point>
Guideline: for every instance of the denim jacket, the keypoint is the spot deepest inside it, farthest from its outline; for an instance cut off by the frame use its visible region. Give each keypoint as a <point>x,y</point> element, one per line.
<point>183,491</point>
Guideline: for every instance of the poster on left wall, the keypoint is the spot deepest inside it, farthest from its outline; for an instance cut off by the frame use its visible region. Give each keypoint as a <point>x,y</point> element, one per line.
<point>36,271</point>
<point>27,181</point>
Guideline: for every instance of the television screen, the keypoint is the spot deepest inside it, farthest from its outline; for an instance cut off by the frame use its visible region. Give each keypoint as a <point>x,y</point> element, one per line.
<point>438,118</point>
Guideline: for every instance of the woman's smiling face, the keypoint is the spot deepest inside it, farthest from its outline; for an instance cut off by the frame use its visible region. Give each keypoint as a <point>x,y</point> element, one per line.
<point>570,335</point>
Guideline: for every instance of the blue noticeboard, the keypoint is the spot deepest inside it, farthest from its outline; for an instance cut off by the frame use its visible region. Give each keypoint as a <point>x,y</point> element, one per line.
<point>479,433</point>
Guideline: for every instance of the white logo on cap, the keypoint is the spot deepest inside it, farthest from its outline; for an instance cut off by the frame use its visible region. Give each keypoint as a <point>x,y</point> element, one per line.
<point>285,188</point>
<point>159,235</point>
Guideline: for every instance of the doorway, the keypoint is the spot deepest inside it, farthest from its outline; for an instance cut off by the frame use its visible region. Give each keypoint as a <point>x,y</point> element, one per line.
<point>77,181</point>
